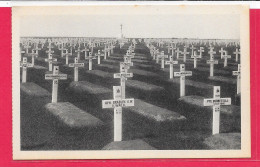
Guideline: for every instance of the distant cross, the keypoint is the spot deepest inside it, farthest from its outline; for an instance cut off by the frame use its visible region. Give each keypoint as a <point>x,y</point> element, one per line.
<point>225,57</point>
<point>201,50</point>
<point>50,60</point>
<point>99,55</point>
<point>117,103</point>
<point>66,54</point>
<point>192,49</point>
<point>78,53</point>
<point>36,49</point>
<point>21,54</point>
<point>216,102</point>
<point>221,51</point>
<point>106,52</point>
<point>178,52</point>
<point>171,62</point>
<point>237,52</point>
<point>212,62</point>
<point>238,74</point>
<point>195,56</point>
<point>55,77</point>
<point>27,46</point>
<point>162,56</point>
<point>62,49</point>
<point>184,54</point>
<point>50,52</point>
<point>76,66</point>
<point>86,50</point>
<point>24,64</point>
<point>32,55</point>
<point>90,58</point>
<point>182,74</point>
<point>172,48</point>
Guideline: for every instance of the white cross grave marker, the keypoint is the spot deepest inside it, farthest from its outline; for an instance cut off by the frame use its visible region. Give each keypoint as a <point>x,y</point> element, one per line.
<point>225,57</point>
<point>78,53</point>
<point>76,66</point>
<point>237,52</point>
<point>178,52</point>
<point>195,57</point>
<point>221,51</point>
<point>86,50</point>
<point>123,75</point>
<point>90,58</point>
<point>55,77</point>
<point>238,74</point>
<point>192,49</point>
<point>24,64</point>
<point>50,60</point>
<point>99,55</point>
<point>182,74</point>
<point>212,62</point>
<point>184,54</point>
<point>216,102</point>
<point>171,62</point>
<point>201,50</point>
<point>117,103</point>
<point>162,56</point>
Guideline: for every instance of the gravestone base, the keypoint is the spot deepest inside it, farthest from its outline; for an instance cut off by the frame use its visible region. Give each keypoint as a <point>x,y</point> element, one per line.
<point>200,117</point>
<point>129,145</point>
<point>74,128</point>
<point>92,94</point>
<point>35,129</point>
<point>224,141</point>
<point>148,120</point>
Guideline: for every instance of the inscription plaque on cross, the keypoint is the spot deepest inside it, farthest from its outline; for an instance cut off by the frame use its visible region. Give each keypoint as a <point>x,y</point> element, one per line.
<point>237,52</point>
<point>216,102</point>
<point>182,74</point>
<point>238,74</point>
<point>90,58</point>
<point>24,64</point>
<point>212,62</point>
<point>195,56</point>
<point>76,66</point>
<point>55,77</point>
<point>171,62</point>
<point>225,57</point>
<point>117,103</point>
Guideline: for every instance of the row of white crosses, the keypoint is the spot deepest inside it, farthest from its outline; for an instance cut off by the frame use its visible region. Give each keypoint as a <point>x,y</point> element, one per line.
<point>119,100</point>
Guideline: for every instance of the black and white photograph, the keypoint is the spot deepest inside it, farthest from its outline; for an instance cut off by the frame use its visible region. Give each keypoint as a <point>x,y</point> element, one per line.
<point>131,81</point>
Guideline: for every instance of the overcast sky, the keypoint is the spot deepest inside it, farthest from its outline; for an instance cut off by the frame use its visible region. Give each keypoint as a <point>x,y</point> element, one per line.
<point>168,26</point>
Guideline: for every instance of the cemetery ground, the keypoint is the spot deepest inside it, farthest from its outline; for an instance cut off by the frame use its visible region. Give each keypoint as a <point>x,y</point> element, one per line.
<point>160,119</point>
